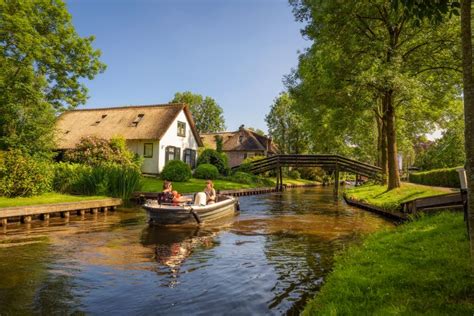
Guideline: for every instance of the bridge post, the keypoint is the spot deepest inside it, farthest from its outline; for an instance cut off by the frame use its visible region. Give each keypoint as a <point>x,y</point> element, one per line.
<point>277,178</point>
<point>336,181</point>
<point>281,179</point>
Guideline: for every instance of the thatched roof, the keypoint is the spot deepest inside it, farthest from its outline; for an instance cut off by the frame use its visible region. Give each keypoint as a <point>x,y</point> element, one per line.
<point>241,140</point>
<point>141,122</point>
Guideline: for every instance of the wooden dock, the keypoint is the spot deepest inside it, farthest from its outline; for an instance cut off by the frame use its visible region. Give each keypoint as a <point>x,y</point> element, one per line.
<point>43,211</point>
<point>444,201</point>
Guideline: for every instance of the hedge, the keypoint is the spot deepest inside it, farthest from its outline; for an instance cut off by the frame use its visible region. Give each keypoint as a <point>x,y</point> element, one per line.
<point>447,177</point>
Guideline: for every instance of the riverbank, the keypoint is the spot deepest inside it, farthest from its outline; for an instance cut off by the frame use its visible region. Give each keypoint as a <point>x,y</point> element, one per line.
<point>419,267</point>
<point>150,184</point>
<point>47,198</point>
<point>378,196</point>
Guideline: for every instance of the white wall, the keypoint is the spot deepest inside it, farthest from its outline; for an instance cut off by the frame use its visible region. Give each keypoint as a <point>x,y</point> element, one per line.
<point>150,165</point>
<point>171,138</point>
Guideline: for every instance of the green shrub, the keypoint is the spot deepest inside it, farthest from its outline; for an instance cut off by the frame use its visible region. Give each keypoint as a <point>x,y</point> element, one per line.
<point>213,157</point>
<point>447,177</point>
<point>294,174</point>
<point>24,175</point>
<point>312,173</point>
<point>176,170</point>
<point>123,181</point>
<point>247,163</point>
<point>206,171</point>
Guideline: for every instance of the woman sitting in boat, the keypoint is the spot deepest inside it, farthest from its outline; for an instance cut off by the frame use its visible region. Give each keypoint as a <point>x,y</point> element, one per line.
<point>210,192</point>
<point>168,196</point>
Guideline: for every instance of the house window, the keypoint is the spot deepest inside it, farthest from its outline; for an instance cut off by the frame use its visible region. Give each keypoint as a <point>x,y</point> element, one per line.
<point>148,150</point>
<point>172,153</point>
<point>100,120</point>
<point>190,157</point>
<point>181,129</point>
<point>137,120</point>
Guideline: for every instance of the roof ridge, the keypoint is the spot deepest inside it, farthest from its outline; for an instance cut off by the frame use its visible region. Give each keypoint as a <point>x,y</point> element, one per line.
<point>131,107</point>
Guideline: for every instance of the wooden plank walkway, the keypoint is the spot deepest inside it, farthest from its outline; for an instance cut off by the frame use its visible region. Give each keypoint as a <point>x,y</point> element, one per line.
<point>43,211</point>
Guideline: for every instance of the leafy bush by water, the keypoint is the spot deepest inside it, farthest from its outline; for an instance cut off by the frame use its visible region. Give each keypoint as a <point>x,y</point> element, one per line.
<point>176,170</point>
<point>23,175</point>
<point>206,171</point>
<point>248,178</point>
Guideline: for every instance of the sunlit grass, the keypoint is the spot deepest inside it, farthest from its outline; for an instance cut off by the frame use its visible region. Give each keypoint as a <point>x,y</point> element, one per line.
<point>46,198</point>
<point>379,196</point>
<point>195,185</point>
<point>420,267</point>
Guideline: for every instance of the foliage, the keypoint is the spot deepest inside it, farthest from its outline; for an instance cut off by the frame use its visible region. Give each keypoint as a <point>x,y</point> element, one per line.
<point>106,179</point>
<point>176,170</point>
<point>207,114</point>
<point>294,174</point>
<point>378,195</point>
<point>248,178</point>
<point>206,171</point>
<point>312,173</point>
<point>366,69</point>
<point>95,151</point>
<point>417,267</point>
<point>23,175</point>
<point>447,177</point>
<point>286,126</point>
<point>247,163</point>
<point>42,65</point>
<point>447,151</point>
<point>211,156</point>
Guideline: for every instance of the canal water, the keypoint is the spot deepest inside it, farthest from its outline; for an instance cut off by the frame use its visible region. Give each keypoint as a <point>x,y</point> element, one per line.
<point>270,259</point>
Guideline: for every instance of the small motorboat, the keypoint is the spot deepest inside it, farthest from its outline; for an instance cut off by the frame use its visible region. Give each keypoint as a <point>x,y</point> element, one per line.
<point>169,214</point>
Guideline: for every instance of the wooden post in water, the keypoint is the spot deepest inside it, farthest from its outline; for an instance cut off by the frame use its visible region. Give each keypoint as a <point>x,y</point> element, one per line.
<point>4,221</point>
<point>277,177</point>
<point>281,180</point>
<point>336,181</point>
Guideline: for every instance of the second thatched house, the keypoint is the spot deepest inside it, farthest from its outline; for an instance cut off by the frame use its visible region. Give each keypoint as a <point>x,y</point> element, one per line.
<point>159,133</point>
<point>240,144</point>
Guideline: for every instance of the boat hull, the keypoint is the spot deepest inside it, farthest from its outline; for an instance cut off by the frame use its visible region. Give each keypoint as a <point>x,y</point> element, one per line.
<point>190,215</point>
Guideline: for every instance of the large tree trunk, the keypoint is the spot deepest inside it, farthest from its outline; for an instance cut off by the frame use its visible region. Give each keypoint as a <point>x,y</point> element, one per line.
<point>383,145</point>
<point>392,156</point>
<point>466,36</point>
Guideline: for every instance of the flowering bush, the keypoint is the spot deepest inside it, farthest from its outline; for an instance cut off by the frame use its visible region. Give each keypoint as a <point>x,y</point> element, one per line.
<point>95,151</point>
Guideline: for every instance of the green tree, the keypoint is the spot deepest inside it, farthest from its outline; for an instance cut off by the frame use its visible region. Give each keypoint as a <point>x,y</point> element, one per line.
<point>366,57</point>
<point>207,114</point>
<point>42,62</point>
<point>286,126</point>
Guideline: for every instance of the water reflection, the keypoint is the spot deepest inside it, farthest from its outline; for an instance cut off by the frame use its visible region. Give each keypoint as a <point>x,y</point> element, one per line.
<point>268,260</point>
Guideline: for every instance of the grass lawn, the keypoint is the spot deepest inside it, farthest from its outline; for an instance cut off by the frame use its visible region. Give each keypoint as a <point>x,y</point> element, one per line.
<point>196,185</point>
<point>46,198</point>
<point>390,200</point>
<point>421,267</point>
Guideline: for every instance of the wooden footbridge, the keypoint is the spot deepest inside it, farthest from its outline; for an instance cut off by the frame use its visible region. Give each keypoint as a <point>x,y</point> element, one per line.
<point>330,163</point>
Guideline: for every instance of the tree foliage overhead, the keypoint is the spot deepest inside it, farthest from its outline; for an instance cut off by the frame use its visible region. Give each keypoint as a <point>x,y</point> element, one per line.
<point>42,62</point>
<point>286,126</point>
<point>369,63</point>
<point>207,114</point>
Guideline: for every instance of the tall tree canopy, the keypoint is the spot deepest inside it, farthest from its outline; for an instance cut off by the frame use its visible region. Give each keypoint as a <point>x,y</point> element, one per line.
<point>207,114</point>
<point>286,126</point>
<point>366,58</point>
<point>42,60</point>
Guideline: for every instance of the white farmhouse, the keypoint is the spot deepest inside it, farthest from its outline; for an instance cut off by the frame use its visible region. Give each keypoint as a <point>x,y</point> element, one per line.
<point>159,133</point>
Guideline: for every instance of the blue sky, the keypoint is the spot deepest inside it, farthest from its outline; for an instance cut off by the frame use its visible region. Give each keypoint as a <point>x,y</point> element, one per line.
<point>236,51</point>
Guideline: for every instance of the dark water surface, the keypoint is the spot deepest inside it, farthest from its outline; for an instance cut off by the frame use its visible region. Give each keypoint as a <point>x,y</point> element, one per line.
<point>268,260</point>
